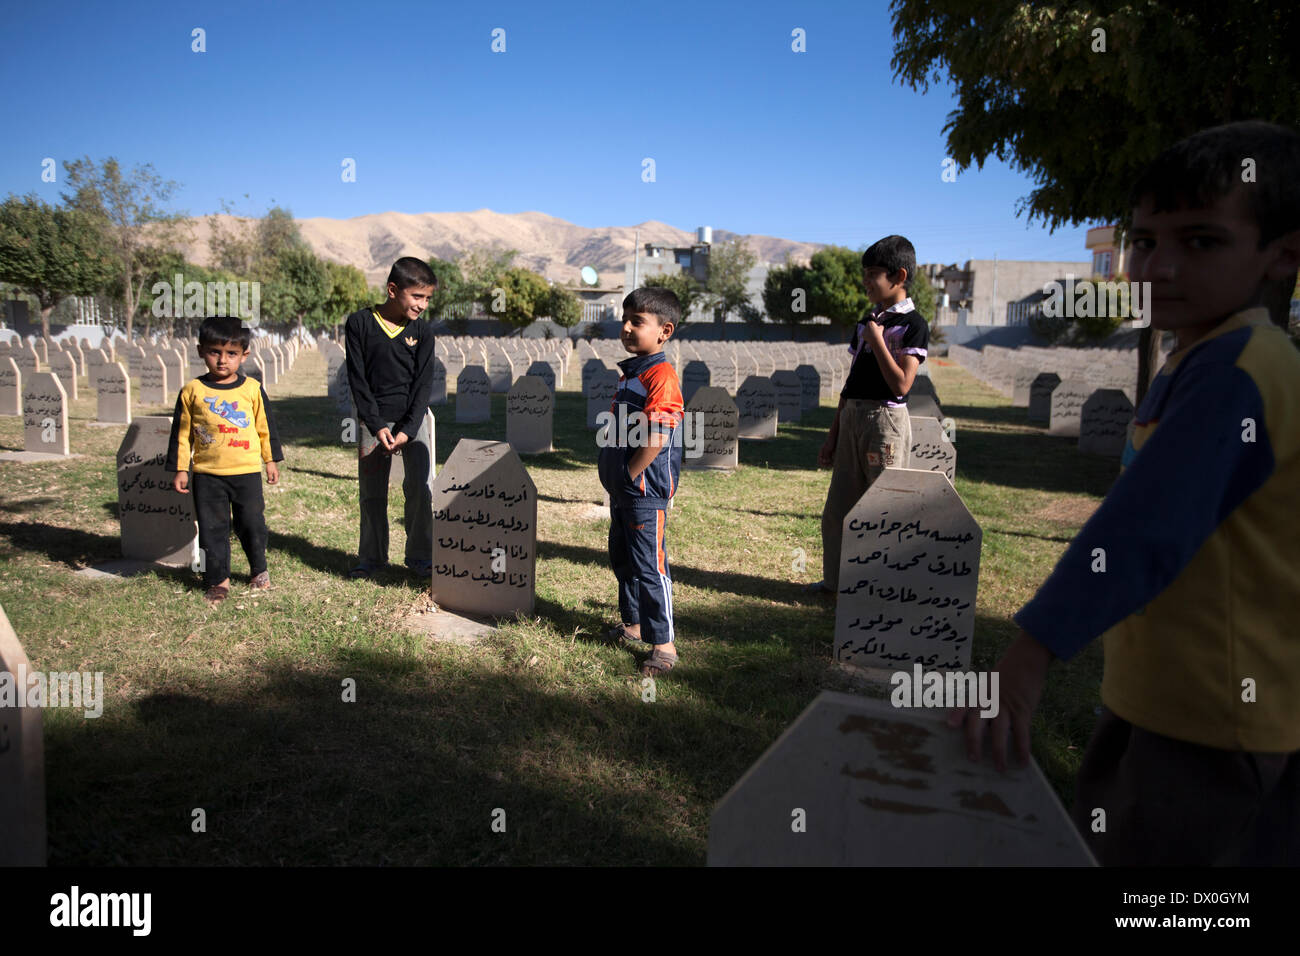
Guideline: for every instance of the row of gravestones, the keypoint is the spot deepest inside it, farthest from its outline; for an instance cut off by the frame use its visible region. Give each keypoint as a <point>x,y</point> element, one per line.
<point>1074,407</point>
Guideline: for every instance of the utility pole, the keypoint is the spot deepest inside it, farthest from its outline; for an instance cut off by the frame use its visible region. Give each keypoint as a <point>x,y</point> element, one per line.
<point>636,261</point>
<point>993,306</point>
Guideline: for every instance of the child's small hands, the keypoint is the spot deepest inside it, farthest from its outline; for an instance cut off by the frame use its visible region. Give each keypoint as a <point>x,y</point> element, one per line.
<point>272,473</point>
<point>386,439</point>
<point>1022,671</point>
<point>399,440</point>
<point>181,481</point>
<point>826,457</point>
<point>875,331</point>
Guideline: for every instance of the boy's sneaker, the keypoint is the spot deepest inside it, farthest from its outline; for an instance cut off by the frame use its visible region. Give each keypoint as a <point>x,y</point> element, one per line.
<point>261,582</point>
<point>216,594</point>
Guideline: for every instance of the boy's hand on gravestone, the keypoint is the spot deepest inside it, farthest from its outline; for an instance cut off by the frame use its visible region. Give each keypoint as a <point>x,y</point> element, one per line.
<point>181,482</point>
<point>1022,671</point>
<point>272,473</point>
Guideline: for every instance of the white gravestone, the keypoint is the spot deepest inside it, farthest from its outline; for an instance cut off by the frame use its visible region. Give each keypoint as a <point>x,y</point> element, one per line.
<point>22,757</point>
<point>1103,424</point>
<point>157,522</point>
<point>11,384</point>
<point>1040,397</point>
<point>112,394</point>
<point>45,414</point>
<point>909,567</point>
<point>501,371</point>
<point>63,365</point>
<point>438,394</point>
<point>789,396</point>
<point>545,371</point>
<point>153,382</point>
<point>810,386</point>
<point>880,785</point>
<point>484,531</point>
<point>695,376</point>
<point>722,374</point>
<point>1067,407</point>
<point>530,409</point>
<point>397,470</point>
<point>931,449</point>
<point>715,420</point>
<point>473,396</point>
<point>600,394</point>
<point>756,401</point>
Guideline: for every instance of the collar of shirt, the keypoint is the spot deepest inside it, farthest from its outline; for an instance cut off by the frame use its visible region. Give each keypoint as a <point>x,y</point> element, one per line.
<point>904,306</point>
<point>634,366</point>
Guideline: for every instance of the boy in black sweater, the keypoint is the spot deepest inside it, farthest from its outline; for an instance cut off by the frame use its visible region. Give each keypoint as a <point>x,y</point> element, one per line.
<point>390,372</point>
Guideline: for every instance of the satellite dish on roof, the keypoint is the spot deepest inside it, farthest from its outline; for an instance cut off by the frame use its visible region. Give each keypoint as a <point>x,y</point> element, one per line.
<point>589,276</point>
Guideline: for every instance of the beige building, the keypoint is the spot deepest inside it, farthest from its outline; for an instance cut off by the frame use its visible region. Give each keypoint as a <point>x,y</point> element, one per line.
<point>982,291</point>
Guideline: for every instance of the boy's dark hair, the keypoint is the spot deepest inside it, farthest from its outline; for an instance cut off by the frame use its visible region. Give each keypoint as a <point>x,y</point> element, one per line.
<point>891,254</point>
<point>659,302</point>
<point>222,330</point>
<point>1204,167</point>
<point>409,271</point>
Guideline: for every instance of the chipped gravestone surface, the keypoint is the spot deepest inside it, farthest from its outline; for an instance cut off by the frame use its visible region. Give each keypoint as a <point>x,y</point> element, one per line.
<point>756,401</point>
<point>530,409</point>
<point>501,371</point>
<point>473,395</point>
<point>153,381</point>
<point>157,522</point>
<point>909,567</point>
<point>438,394</point>
<point>810,386</point>
<point>712,416</point>
<point>545,371</point>
<point>1103,423</point>
<point>484,531</point>
<point>11,383</point>
<point>789,396</point>
<point>695,376</point>
<point>931,449</point>
<point>22,759</point>
<point>112,394</point>
<point>62,365</point>
<point>1040,397</point>
<point>600,395</point>
<point>1067,407</point>
<point>880,785</point>
<point>45,414</point>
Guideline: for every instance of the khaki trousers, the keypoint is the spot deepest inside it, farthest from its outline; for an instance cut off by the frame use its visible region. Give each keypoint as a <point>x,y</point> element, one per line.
<point>872,437</point>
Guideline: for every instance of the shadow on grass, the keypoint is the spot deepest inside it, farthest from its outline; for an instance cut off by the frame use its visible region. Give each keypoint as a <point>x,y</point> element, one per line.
<point>69,546</point>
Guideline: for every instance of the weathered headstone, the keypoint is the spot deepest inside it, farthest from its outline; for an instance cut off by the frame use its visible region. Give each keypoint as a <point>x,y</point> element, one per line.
<point>909,567</point>
<point>45,414</point>
<point>530,409</point>
<point>473,395</point>
<point>112,394</point>
<point>600,394</point>
<point>879,785</point>
<point>1067,407</point>
<point>756,401</point>
<point>501,371</point>
<point>153,382</point>
<point>695,375</point>
<point>157,522</point>
<point>438,394</point>
<point>931,449</point>
<point>722,373</point>
<point>11,383</point>
<point>545,371</point>
<point>1021,382</point>
<point>1040,397</point>
<point>810,387</point>
<point>1103,423</point>
<point>27,359</point>
<point>713,421</point>
<point>22,757</point>
<point>176,368</point>
<point>484,531</point>
<point>63,365</point>
<point>789,395</point>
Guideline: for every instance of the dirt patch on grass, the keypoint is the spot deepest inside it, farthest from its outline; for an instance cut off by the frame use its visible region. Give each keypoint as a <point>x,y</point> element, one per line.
<point>1072,510</point>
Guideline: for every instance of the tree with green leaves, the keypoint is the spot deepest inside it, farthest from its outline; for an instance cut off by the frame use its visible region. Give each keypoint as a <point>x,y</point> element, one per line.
<point>517,297</point>
<point>131,210</point>
<point>452,290</point>
<point>786,295</point>
<point>1159,71</point>
<point>347,293</point>
<point>729,267</point>
<point>835,285</point>
<point>297,284</point>
<point>51,252</point>
<point>685,286</point>
<point>482,268</point>
<point>563,307</point>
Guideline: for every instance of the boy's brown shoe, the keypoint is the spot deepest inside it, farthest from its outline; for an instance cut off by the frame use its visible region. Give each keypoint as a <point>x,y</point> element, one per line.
<point>216,594</point>
<point>260,583</point>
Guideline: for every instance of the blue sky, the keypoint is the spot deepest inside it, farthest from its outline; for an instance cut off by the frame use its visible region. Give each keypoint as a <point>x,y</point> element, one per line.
<point>746,135</point>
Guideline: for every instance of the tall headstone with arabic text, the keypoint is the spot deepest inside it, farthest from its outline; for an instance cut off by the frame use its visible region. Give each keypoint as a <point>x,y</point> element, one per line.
<point>484,531</point>
<point>756,400</point>
<point>1067,407</point>
<point>157,522</point>
<point>22,761</point>
<point>45,414</point>
<point>473,395</point>
<point>112,394</point>
<point>712,425</point>
<point>11,384</point>
<point>909,568</point>
<point>530,410</point>
<point>1103,423</point>
<point>931,449</point>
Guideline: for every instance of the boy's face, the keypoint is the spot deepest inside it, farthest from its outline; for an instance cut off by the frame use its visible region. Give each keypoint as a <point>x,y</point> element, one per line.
<point>1203,264</point>
<point>223,359</point>
<point>642,333</point>
<point>412,300</point>
<point>880,288</point>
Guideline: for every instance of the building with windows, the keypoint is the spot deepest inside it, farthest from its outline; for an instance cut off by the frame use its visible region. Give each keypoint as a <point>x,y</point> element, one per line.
<point>1109,256</point>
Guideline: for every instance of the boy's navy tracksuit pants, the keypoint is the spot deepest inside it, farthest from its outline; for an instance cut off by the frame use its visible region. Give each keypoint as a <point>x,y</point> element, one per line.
<point>637,551</point>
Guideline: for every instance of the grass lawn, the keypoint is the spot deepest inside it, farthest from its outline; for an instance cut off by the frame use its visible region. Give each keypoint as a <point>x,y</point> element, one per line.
<point>238,710</point>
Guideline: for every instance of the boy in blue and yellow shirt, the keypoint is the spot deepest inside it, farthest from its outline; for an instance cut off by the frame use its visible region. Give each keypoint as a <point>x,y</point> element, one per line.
<point>223,431</point>
<point>1196,757</point>
<point>640,466</point>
